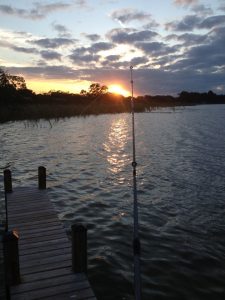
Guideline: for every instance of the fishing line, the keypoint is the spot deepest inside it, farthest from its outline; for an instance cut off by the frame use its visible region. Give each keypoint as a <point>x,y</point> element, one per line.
<point>136,240</point>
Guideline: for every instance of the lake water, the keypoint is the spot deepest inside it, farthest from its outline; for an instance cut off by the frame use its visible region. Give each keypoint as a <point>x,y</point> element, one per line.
<point>181,192</point>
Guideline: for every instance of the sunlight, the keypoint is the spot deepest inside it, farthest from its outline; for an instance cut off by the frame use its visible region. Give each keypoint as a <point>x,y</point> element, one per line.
<point>118,89</point>
<point>71,86</point>
<point>115,147</point>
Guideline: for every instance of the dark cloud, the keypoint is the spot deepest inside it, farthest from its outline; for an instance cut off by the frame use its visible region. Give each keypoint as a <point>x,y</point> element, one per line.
<point>93,37</point>
<point>128,15</point>
<point>61,29</point>
<point>11,46</point>
<point>222,7</point>
<point>112,58</point>
<point>139,61</point>
<point>50,55</point>
<point>213,21</point>
<point>111,61</point>
<point>156,48</point>
<point>39,10</point>
<point>101,46</point>
<point>188,39</point>
<point>129,36</point>
<point>82,56</point>
<point>205,57</point>
<point>202,9</point>
<point>47,72</point>
<point>188,23</point>
<point>191,22</point>
<point>150,25</point>
<point>52,43</point>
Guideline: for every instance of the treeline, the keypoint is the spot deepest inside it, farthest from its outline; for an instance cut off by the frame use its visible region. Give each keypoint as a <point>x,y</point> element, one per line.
<point>17,102</point>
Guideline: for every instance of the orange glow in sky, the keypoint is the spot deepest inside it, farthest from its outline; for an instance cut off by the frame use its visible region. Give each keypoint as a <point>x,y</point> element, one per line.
<point>118,89</point>
<point>71,86</point>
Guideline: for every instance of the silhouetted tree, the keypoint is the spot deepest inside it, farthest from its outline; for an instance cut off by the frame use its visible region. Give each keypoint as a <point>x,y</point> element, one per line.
<point>12,87</point>
<point>95,89</point>
<point>8,80</point>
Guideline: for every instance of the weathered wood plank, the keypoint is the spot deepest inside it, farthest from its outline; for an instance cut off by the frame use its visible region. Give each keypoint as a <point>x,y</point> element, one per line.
<point>52,274</point>
<point>82,293</point>
<point>42,238</point>
<point>45,254</point>
<point>44,249</point>
<point>51,282</point>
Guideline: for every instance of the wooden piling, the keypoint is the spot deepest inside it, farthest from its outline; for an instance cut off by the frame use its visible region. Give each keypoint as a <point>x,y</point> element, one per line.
<point>7,181</point>
<point>11,258</point>
<point>79,248</point>
<point>42,178</point>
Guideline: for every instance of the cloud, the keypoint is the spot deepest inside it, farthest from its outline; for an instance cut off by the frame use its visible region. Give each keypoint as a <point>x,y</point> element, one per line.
<point>82,3</point>
<point>222,7</point>
<point>202,9</point>
<point>111,61</point>
<point>90,54</point>
<point>50,55</point>
<point>93,37</point>
<point>191,22</point>
<point>52,43</point>
<point>61,30</point>
<point>188,23</point>
<point>127,15</point>
<point>213,21</point>
<point>206,57</point>
<point>83,55</point>
<point>139,61</point>
<point>47,72</point>
<point>156,48</point>
<point>101,46</point>
<point>129,36</point>
<point>185,2</point>
<point>113,57</point>
<point>189,39</point>
<point>38,11</point>
<point>11,46</point>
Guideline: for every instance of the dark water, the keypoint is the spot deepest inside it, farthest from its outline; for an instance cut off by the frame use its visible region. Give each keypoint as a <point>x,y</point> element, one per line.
<point>181,182</point>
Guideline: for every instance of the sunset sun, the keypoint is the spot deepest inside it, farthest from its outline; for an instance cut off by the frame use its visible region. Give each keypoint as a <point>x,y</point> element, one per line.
<point>118,89</point>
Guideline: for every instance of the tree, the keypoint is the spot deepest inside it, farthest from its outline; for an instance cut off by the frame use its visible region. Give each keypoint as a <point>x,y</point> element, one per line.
<point>95,89</point>
<point>7,80</point>
<point>18,82</point>
<point>4,81</point>
<point>12,87</point>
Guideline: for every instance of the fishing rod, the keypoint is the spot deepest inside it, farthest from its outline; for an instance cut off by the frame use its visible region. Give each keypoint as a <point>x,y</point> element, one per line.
<point>136,240</point>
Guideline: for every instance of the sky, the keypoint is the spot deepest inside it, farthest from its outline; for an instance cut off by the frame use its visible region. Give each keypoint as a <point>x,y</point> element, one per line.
<point>173,45</point>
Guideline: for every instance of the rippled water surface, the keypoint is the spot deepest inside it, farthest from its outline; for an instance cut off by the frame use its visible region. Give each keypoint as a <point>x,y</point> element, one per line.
<point>181,183</point>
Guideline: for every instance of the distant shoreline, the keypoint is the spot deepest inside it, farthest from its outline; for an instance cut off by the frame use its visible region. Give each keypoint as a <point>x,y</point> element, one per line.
<point>36,111</point>
<point>68,105</point>
<point>19,103</point>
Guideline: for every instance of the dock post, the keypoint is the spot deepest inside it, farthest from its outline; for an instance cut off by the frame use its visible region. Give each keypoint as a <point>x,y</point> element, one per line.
<point>11,257</point>
<point>7,181</point>
<point>42,178</point>
<point>79,248</point>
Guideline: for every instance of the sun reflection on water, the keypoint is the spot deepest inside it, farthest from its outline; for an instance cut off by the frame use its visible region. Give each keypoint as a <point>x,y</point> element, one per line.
<point>115,147</point>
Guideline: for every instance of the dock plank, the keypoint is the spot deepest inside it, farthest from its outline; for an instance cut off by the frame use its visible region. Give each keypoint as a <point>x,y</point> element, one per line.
<point>44,250</point>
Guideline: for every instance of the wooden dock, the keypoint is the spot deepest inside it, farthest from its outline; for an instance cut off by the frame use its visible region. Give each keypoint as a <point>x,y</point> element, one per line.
<point>44,250</point>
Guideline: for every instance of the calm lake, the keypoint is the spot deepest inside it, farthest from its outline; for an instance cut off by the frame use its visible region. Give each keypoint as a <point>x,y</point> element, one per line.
<point>181,192</point>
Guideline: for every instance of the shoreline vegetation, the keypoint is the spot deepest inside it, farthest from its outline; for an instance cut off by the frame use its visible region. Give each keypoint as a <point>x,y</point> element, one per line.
<point>19,103</point>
